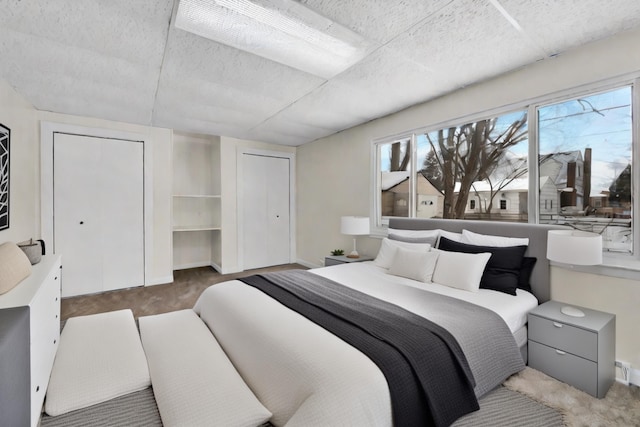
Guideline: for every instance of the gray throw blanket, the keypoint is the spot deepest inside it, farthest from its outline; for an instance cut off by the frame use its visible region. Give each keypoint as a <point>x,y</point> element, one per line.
<point>429,379</point>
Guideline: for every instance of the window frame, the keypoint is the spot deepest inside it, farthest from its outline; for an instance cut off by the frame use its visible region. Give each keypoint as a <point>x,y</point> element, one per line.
<point>613,262</point>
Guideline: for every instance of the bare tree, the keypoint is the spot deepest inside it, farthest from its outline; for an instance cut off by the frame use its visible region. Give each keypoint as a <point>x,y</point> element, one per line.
<point>469,153</point>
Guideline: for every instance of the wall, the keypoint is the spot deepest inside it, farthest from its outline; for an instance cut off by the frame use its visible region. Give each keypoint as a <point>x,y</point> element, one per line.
<point>334,172</point>
<point>20,116</point>
<point>229,217</point>
<point>160,270</point>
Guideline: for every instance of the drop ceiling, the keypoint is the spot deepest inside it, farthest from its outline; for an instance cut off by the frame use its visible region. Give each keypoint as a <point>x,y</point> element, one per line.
<point>125,60</point>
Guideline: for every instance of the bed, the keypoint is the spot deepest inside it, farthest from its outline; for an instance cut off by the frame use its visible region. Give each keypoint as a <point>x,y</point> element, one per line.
<point>304,375</point>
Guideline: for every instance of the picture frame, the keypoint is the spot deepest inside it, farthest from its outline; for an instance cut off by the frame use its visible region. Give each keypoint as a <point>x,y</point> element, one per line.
<point>5,175</point>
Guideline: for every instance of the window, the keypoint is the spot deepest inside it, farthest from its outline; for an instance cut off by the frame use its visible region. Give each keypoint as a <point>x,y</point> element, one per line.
<point>482,168</point>
<point>585,159</point>
<point>394,170</point>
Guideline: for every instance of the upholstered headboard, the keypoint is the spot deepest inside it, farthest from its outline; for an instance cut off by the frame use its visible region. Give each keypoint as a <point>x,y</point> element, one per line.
<point>537,234</point>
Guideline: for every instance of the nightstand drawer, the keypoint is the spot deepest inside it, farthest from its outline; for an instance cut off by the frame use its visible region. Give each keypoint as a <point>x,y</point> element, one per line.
<point>580,373</point>
<point>564,337</point>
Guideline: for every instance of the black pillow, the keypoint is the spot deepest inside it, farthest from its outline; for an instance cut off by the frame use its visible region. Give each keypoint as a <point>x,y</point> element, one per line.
<point>525,273</point>
<point>502,271</point>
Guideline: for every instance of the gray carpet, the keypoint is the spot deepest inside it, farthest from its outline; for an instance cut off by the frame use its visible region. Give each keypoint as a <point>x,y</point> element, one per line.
<point>133,410</point>
<point>505,408</point>
<point>499,408</point>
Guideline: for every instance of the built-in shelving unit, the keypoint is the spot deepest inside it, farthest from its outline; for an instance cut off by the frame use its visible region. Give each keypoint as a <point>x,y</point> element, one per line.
<point>196,201</point>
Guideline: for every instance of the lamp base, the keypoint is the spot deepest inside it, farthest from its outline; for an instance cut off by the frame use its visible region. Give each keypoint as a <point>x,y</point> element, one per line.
<point>353,254</point>
<point>572,311</point>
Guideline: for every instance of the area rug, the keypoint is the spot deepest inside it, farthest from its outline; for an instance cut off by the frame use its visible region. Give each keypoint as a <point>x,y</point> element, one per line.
<point>620,407</point>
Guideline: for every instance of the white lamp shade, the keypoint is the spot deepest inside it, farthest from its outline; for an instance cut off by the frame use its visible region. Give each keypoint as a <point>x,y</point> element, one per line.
<point>574,247</point>
<point>354,225</point>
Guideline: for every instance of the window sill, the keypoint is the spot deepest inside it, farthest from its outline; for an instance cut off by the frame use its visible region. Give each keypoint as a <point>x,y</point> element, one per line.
<point>612,266</point>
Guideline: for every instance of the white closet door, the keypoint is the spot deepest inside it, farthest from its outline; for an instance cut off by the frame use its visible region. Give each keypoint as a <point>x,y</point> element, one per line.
<point>265,200</point>
<point>76,179</point>
<point>98,212</point>
<point>122,214</point>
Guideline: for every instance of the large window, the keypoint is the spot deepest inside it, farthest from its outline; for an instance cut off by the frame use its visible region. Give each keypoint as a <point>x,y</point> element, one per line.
<point>485,161</point>
<point>578,171</point>
<point>585,147</point>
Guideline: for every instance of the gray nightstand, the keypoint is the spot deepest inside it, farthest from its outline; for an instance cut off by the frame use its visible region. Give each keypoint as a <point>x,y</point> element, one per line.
<point>577,350</point>
<point>342,259</point>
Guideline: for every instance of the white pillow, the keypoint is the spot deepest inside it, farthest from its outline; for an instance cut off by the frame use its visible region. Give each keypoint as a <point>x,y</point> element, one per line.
<point>414,234</point>
<point>460,270</point>
<point>489,240</point>
<point>416,265</point>
<point>388,251</point>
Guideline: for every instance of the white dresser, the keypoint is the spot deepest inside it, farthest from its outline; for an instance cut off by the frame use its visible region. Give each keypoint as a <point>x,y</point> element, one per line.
<point>29,334</point>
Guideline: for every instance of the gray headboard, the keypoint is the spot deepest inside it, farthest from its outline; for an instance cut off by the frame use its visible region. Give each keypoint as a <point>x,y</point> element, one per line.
<point>537,234</point>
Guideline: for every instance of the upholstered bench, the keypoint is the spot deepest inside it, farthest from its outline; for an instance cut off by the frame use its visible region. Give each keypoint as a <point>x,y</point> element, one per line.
<point>194,382</point>
<point>99,358</point>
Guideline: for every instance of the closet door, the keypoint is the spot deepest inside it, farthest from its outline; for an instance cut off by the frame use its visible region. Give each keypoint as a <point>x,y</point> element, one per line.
<point>98,212</point>
<point>266,222</point>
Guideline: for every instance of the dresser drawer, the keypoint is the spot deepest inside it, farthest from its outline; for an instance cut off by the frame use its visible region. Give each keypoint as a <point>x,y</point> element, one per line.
<point>574,370</point>
<point>571,339</point>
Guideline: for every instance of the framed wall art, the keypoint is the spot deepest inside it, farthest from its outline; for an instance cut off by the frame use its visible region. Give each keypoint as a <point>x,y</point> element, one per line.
<point>5,146</point>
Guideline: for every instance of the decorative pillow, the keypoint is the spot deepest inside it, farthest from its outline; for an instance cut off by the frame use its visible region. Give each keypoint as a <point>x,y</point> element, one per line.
<point>525,273</point>
<point>416,265</point>
<point>456,237</point>
<point>448,269</point>
<point>414,236</point>
<point>388,251</point>
<point>491,240</point>
<point>14,266</point>
<point>503,269</point>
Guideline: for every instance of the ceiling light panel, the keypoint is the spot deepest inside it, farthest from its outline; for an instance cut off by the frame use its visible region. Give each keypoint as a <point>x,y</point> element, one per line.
<point>281,30</point>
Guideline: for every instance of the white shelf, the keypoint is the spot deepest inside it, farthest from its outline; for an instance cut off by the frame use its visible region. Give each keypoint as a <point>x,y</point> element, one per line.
<point>180,228</point>
<point>198,196</point>
<point>197,201</point>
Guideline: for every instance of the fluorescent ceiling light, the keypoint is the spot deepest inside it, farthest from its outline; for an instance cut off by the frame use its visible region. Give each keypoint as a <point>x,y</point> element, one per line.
<point>280,30</point>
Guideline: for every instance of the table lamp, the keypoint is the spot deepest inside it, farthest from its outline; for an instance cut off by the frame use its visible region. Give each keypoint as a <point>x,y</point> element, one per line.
<point>355,226</point>
<point>576,248</point>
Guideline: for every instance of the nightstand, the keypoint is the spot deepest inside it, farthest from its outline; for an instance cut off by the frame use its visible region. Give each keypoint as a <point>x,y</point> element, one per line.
<point>342,259</point>
<point>577,350</point>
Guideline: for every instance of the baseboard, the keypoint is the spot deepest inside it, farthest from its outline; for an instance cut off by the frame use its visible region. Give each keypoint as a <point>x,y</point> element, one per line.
<point>634,377</point>
<point>192,265</point>
<point>159,280</point>
<point>216,267</point>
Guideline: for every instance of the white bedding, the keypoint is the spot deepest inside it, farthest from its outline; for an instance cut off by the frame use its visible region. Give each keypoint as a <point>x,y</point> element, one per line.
<point>368,278</point>
<point>305,375</point>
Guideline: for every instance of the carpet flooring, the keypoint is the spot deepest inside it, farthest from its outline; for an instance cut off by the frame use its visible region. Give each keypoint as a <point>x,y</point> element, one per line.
<point>528,399</point>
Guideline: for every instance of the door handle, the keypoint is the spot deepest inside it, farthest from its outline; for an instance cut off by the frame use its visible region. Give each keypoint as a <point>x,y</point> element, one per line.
<point>557,325</point>
<point>81,222</point>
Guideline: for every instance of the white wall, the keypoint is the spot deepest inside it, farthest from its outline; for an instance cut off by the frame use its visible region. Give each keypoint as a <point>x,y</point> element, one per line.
<point>334,172</point>
<point>160,270</point>
<point>229,216</point>
<point>20,116</point>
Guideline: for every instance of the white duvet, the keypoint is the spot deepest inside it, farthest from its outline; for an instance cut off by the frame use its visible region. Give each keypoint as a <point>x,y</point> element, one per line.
<point>305,375</point>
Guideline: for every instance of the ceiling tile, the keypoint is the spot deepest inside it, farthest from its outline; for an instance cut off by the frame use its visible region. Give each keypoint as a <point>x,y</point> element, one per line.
<point>379,20</point>
<point>468,41</point>
<point>561,25</point>
<point>132,30</point>
<point>47,73</point>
